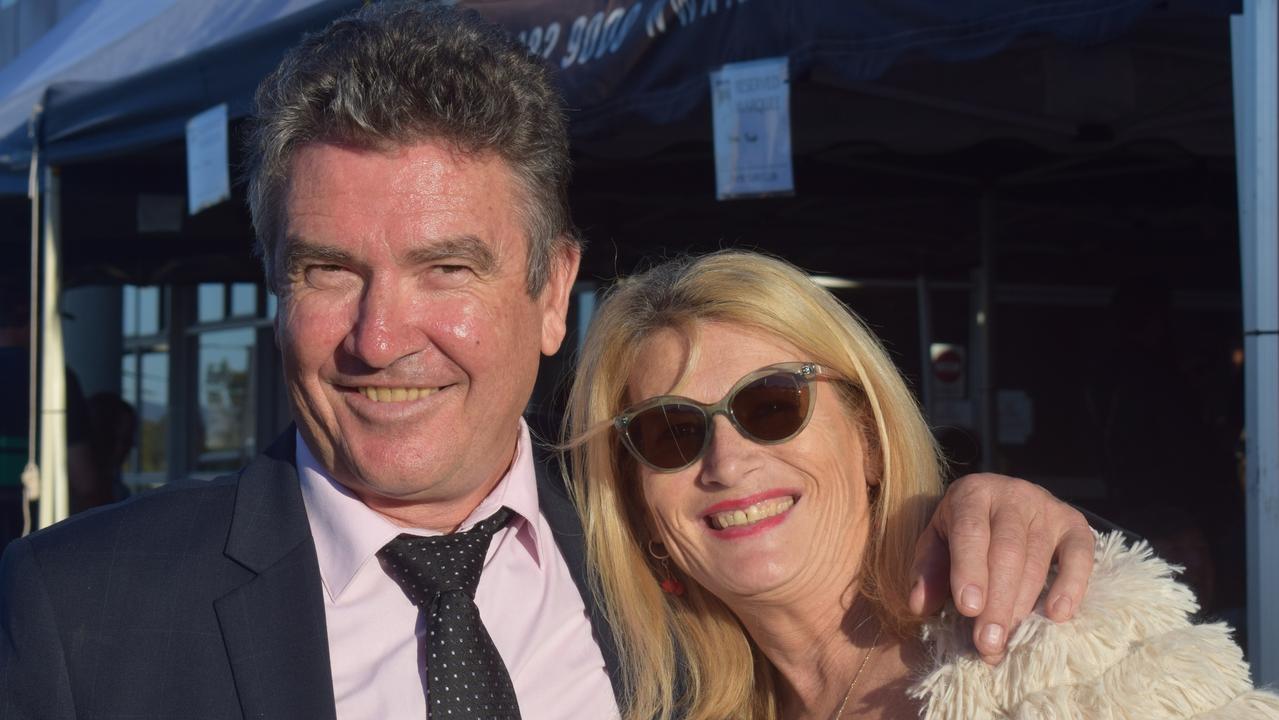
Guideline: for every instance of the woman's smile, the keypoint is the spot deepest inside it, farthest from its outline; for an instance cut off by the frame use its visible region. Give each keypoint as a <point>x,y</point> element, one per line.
<point>736,518</point>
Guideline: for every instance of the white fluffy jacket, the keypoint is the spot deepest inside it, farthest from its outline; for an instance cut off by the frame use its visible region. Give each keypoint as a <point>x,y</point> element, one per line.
<point>1131,652</point>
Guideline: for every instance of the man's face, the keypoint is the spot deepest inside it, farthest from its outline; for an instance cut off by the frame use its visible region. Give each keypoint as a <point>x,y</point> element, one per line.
<point>410,342</point>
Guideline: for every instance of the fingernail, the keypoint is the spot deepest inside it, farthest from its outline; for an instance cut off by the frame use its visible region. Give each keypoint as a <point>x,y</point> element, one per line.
<point>992,636</point>
<point>970,598</point>
<point>1061,607</point>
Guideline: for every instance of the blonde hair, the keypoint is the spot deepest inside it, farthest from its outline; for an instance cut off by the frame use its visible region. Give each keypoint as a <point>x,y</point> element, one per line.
<point>689,655</point>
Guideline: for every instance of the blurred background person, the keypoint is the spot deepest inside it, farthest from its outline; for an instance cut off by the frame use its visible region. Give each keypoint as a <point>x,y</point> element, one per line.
<point>114,424</point>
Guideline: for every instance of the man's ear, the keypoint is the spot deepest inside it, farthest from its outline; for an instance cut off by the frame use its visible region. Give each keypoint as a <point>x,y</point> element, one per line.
<point>565,259</point>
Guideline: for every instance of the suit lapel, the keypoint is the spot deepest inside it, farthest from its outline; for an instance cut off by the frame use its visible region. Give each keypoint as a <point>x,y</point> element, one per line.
<point>566,526</point>
<point>273,625</point>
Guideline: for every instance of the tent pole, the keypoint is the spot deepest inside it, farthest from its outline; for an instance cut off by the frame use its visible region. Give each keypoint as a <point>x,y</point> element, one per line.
<point>31,473</point>
<point>54,503</point>
<point>1256,71</point>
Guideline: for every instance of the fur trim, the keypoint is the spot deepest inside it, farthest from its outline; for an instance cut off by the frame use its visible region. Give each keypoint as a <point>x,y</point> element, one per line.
<point>1131,652</point>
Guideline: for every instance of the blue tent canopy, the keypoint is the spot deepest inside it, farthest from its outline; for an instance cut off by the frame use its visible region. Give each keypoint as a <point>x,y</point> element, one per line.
<point>109,43</point>
<point>615,60</point>
<point>651,59</point>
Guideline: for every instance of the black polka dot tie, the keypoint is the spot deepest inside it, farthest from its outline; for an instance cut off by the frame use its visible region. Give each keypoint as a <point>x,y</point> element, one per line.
<point>466,677</point>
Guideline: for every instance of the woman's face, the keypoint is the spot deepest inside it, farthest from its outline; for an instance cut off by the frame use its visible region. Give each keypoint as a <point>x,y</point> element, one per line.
<point>783,551</point>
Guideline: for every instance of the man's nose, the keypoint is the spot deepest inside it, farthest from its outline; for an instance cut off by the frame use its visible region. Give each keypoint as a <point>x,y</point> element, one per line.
<point>729,456</point>
<point>386,326</point>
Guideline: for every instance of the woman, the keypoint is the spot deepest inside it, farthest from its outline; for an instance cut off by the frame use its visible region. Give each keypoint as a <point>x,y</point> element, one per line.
<point>743,446</point>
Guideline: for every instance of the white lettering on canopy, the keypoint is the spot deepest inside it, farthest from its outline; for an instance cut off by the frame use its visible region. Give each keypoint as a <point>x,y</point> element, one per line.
<point>594,35</point>
<point>688,12</point>
<point>589,37</point>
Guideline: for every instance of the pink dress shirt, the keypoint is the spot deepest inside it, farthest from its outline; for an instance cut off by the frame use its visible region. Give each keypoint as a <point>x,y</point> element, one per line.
<point>526,597</point>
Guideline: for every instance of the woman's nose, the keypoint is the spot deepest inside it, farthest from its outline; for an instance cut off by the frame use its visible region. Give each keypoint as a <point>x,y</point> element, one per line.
<point>729,455</point>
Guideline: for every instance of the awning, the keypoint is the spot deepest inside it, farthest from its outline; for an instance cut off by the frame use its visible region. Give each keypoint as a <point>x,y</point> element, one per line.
<point>85,45</point>
<point>617,61</point>
<point>104,43</point>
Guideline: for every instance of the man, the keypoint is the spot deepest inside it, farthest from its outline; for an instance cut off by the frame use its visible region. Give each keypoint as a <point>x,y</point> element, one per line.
<point>408,184</point>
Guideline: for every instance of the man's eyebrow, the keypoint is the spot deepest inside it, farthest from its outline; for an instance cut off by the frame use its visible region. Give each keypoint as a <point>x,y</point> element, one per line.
<point>298,251</point>
<point>461,247</point>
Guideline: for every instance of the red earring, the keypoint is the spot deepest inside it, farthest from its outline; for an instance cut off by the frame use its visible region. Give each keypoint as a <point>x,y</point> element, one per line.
<point>670,584</point>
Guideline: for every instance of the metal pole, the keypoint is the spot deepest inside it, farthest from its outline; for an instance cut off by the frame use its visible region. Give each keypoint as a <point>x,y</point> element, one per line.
<point>984,368</point>
<point>925,345</point>
<point>54,503</point>
<point>586,297</point>
<point>1256,75</point>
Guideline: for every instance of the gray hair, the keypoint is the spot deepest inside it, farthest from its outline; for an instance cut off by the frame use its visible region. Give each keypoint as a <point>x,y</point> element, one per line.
<point>391,74</point>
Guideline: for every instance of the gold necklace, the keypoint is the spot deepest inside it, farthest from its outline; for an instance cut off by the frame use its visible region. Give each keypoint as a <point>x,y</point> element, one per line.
<point>856,676</point>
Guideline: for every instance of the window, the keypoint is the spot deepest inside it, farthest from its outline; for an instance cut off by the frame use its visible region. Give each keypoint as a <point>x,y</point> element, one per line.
<point>210,302</point>
<point>231,375</point>
<point>224,437</point>
<point>244,300</point>
<point>144,382</point>
<point>200,366</point>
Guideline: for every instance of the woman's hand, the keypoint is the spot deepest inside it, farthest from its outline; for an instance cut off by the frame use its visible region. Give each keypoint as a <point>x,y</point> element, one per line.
<point>993,539</point>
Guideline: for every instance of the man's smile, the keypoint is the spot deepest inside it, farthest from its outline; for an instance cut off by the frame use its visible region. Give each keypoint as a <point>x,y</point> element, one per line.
<point>395,394</point>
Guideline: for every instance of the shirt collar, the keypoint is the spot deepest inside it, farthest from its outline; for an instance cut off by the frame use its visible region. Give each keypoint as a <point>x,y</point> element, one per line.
<point>348,533</point>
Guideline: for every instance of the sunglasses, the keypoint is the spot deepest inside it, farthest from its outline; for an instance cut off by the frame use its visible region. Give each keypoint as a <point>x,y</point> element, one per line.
<point>769,406</point>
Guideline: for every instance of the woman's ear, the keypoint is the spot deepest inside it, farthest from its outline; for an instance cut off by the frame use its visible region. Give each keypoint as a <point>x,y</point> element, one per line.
<point>640,518</point>
<point>872,457</point>
<point>857,413</point>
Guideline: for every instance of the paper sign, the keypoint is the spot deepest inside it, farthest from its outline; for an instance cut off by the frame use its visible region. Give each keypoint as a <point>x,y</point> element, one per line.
<point>750,108</point>
<point>208,175</point>
<point>948,412</point>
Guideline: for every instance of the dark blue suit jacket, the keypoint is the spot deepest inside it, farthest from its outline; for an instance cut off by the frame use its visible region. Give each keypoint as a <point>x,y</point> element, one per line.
<point>200,600</point>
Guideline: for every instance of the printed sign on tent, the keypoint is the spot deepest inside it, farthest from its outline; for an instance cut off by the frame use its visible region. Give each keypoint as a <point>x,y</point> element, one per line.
<point>750,108</point>
<point>208,177</point>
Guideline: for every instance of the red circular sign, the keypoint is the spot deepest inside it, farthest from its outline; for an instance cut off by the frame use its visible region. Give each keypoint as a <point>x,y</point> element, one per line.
<point>948,366</point>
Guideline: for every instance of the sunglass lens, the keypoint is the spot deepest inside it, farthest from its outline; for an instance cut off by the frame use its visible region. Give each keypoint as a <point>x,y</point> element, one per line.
<point>668,436</point>
<point>772,408</point>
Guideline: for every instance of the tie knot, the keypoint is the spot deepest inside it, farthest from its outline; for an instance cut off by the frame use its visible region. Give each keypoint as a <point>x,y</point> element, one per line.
<point>427,566</point>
